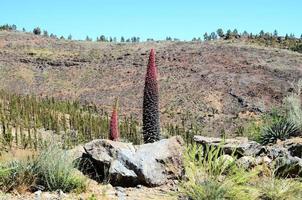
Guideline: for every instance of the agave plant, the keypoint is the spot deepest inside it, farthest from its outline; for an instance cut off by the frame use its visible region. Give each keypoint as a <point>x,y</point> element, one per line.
<point>281,130</point>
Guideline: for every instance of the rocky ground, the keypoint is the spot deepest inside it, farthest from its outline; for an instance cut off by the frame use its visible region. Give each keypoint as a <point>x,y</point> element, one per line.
<point>215,84</point>
<point>102,192</point>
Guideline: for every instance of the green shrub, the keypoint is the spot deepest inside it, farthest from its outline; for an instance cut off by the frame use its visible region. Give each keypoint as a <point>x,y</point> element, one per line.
<point>52,169</point>
<point>281,130</point>
<point>294,109</point>
<point>273,188</point>
<point>55,170</point>
<point>211,175</point>
<point>16,175</point>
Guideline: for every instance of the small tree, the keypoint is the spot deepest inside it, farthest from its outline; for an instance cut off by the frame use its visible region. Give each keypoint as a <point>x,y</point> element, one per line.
<point>235,32</point>
<point>275,33</point>
<point>213,36</point>
<point>102,38</point>
<point>220,32</point>
<point>228,34</point>
<point>122,39</point>
<point>45,33</point>
<point>245,34</point>
<point>37,31</point>
<point>114,131</point>
<point>286,36</point>
<point>151,124</point>
<point>205,36</point>
<point>69,37</point>
<point>88,39</point>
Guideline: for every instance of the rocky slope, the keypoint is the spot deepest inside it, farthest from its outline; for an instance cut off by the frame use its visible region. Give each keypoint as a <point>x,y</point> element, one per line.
<point>215,84</point>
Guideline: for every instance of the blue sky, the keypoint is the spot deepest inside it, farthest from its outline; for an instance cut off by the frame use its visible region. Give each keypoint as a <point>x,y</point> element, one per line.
<point>183,19</point>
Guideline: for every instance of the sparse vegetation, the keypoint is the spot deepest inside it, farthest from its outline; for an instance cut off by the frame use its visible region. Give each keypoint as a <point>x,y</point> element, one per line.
<point>32,122</point>
<point>51,170</point>
<point>211,175</point>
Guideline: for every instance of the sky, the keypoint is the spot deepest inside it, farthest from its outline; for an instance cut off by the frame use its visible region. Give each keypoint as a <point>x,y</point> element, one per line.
<point>182,19</point>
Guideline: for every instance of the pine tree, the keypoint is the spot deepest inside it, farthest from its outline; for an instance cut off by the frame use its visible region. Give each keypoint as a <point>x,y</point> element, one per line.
<point>114,131</point>
<point>37,31</point>
<point>151,124</point>
<point>220,32</point>
<point>205,36</point>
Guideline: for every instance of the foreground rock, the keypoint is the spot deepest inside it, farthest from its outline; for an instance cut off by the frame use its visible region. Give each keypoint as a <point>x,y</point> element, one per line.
<point>241,146</point>
<point>124,164</point>
<point>285,156</point>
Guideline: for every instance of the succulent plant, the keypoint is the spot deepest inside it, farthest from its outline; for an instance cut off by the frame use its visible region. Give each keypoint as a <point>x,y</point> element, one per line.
<point>282,129</point>
<point>151,124</point>
<point>114,131</point>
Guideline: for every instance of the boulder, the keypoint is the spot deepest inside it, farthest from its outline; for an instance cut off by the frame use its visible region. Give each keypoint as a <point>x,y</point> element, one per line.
<point>124,164</point>
<point>237,146</point>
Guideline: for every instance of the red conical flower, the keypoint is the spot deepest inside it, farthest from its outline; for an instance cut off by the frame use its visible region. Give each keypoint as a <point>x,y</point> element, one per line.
<point>151,127</point>
<point>114,132</point>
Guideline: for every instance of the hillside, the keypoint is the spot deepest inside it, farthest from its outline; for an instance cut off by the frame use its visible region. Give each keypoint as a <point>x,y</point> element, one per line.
<point>214,84</point>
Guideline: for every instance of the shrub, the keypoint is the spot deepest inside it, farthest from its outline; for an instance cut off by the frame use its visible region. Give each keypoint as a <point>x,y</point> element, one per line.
<point>272,188</point>
<point>297,47</point>
<point>211,176</point>
<point>281,130</point>
<point>151,127</point>
<point>16,175</point>
<point>55,170</point>
<point>113,131</point>
<point>294,109</point>
<point>293,104</point>
<point>37,31</point>
<point>52,170</point>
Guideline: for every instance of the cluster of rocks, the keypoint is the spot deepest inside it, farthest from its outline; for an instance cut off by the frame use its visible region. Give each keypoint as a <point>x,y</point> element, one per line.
<point>285,156</point>
<point>159,163</point>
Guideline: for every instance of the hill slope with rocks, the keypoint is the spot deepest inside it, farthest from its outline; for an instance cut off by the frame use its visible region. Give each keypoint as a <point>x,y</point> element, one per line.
<point>214,84</point>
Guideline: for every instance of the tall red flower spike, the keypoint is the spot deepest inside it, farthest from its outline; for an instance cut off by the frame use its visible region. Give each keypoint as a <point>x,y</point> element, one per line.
<point>151,124</point>
<point>114,132</point>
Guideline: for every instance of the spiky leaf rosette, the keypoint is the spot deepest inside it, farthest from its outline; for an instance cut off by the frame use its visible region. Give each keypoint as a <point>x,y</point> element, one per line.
<point>279,130</point>
<point>114,132</point>
<point>151,127</point>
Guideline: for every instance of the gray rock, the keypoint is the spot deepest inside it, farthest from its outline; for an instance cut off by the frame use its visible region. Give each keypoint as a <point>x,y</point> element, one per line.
<point>294,146</point>
<point>274,152</point>
<point>226,160</point>
<point>289,166</point>
<point>124,164</point>
<point>247,162</point>
<point>263,160</point>
<point>238,146</point>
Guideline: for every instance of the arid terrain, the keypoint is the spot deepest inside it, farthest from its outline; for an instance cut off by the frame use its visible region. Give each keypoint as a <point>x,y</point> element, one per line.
<point>215,84</point>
